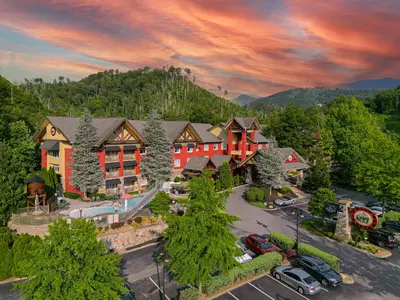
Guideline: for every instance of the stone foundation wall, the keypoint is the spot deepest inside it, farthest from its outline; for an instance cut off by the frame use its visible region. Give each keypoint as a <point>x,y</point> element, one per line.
<point>127,236</point>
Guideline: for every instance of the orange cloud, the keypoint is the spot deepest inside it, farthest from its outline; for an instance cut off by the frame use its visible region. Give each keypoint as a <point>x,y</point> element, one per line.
<point>259,47</point>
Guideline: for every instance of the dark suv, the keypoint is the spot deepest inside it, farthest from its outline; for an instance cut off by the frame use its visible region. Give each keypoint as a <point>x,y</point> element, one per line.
<point>318,269</point>
<point>382,238</point>
<point>392,224</point>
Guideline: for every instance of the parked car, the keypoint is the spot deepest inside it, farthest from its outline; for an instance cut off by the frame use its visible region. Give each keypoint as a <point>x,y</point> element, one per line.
<point>392,224</point>
<point>177,191</point>
<point>259,245</point>
<point>373,203</point>
<point>394,232</point>
<point>245,257</point>
<point>382,238</point>
<point>297,278</point>
<point>356,205</point>
<point>129,295</point>
<point>285,201</point>
<point>377,210</point>
<point>320,270</point>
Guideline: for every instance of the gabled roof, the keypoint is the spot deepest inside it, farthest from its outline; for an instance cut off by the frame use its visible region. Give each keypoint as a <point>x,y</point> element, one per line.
<point>173,129</point>
<point>244,123</point>
<point>218,159</point>
<point>104,126</point>
<point>197,163</point>
<point>203,130</point>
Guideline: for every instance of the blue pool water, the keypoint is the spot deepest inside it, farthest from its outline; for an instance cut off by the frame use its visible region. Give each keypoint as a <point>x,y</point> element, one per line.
<point>94,211</point>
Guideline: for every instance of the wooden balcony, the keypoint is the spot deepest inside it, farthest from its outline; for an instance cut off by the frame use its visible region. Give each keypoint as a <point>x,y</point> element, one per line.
<point>112,158</point>
<point>112,174</point>
<point>129,157</point>
<point>129,172</point>
<point>112,191</point>
<point>236,152</point>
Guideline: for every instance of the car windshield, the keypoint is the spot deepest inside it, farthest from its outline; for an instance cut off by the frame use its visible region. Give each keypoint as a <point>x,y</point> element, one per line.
<point>309,280</point>
<point>323,267</point>
<point>265,245</point>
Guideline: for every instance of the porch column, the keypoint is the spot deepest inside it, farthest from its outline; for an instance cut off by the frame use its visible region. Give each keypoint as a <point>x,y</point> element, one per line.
<point>230,142</point>
<point>244,146</point>
<point>121,162</point>
<point>137,155</point>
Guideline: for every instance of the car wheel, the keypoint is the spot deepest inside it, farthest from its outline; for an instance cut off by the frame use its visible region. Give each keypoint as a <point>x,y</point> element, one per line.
<point>277,276</point>
<point>325,282</point>
<point>381,244</point>
<point>300,289</point>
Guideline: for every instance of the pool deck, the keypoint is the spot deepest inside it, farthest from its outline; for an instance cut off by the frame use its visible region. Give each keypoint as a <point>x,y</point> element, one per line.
<point>76,204</point>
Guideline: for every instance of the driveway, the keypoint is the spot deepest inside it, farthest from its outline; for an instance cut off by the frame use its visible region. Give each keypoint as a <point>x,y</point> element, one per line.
<point>374,278</point>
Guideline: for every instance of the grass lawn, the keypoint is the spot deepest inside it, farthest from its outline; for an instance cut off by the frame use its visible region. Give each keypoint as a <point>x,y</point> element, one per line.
<point>319,227</point>
<point>258,204</point>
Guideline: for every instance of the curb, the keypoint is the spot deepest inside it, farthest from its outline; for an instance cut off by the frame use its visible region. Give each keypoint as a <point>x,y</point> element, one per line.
<point>10,280</point>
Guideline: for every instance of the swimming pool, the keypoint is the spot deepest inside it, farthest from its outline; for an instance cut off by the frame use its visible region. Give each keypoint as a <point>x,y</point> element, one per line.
<point>95,211</point>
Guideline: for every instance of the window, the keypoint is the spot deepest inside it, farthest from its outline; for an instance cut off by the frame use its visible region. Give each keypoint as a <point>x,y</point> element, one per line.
<point>205,147</point>
<point>224,146</point>
<point>259,146</point>
<point>215,146</point>
<point>54,153</point>
<point>143,151</point>
<point>197,148</point>
<point>112,156</point>
<point>190,149</point>
<point>56,167</point>
<point>144,181</point>
<point>177,163</point>
<point>111,186</point>
<point>177,150</point>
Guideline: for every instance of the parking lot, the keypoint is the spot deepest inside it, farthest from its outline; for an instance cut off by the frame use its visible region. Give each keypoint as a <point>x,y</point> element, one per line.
<point>150,288</point>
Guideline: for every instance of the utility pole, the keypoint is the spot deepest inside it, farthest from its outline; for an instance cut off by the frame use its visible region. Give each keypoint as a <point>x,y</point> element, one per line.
<point>299,214</point>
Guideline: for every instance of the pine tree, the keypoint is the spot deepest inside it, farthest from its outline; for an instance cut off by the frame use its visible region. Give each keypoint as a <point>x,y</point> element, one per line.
<point>317,176</point>
<point>72,264</point>
<point>270,169</point>
<point>156,166</point>
<point>225,175</point>
<point>87,174</point>
<point>200,241</point>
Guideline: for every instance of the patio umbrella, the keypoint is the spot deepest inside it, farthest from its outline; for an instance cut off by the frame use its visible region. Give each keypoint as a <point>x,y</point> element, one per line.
<point>125,196</point>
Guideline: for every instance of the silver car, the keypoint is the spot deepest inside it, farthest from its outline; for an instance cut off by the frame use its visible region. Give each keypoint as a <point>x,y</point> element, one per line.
<point>297,278</point>
<point>285,201</point>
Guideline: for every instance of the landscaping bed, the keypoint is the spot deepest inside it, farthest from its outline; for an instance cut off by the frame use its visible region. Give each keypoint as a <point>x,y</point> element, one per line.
<point>319,227</point>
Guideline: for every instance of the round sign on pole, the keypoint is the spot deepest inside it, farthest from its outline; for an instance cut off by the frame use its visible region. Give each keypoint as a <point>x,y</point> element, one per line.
<point>363,218</point>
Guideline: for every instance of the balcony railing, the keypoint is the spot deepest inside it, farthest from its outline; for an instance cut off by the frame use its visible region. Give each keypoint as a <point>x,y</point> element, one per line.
<point>129,157</point>
<point>112,174</point>
<point>129,188</point>
<point>129,172</point>
<point>112,191</point>
<point>110,158</point>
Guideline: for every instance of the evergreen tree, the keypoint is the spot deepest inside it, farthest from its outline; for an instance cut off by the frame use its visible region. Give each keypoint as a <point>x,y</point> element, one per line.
<point>320,200</point>
<point>200,241</point>
<point>270,169</point>
<point>156,166</point>
<point>73,264</point>
<point>87,174</point>
<point>6,257</point>
<point>225,175</point>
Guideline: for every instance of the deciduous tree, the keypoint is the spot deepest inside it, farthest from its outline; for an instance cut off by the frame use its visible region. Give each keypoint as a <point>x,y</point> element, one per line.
<point>87,174</point>
<point>73,264</point>
<point>320,200</point>
<point>160,204</point>
<point>200,241</point>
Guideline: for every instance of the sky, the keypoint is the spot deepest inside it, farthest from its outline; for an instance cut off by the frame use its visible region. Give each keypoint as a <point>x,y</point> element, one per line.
<point>254,47</point>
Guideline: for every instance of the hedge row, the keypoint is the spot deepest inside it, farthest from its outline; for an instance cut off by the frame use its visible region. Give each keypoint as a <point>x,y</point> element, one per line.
<point>282,241</point>
<point>254,194</point>
<point>72,195</point>
<point>258,265</point>
<point>331,260</point>
<point>392,216</point>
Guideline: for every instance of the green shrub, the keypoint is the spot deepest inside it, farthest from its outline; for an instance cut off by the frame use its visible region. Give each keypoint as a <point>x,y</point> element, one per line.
<point>177,179</point>
<point>251,195</point>
<point>218,186</point>
<point>284,190</point>
<point>236,180</point>
<point>358,234</point>
<point>189,294</point>
<point>98,196</point>
<point>282,241</point>
<point>258,265</point>
<point>6,260</point>
<point>160,204</point>
<point>242,180</point>
<point>133,193</point>
<point>331,260</point>
<point>392,216</point>
<point>72,195</point>
<point>258,194</point>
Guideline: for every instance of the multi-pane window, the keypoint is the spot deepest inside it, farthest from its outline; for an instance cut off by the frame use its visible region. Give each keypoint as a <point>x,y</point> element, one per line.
<point>129,170</point>
<point>177,150</point>
<point>215,146</point>
<point>112,156</point>
<point>205,147</point>
<point>54,153</point>
<point>56,167</point>
<point>129,155</point>
<point>259,146</point>
<point>111,186</point>
<point>223,146</point>
<point>177,163</point>
<point>143,151</point>
<point>112,172</point>
<point>190,149</point>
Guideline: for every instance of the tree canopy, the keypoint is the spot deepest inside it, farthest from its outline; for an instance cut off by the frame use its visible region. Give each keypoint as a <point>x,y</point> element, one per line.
<point>320,200</point>
<point>73,264</point>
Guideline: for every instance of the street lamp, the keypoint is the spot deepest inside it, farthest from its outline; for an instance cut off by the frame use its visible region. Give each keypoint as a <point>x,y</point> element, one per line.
<point>161,255</point>
<point>299,214</point>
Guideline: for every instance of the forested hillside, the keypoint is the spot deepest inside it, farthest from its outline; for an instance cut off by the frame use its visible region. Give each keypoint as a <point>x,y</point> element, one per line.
<point>306,97</point>
<point>134,94</point>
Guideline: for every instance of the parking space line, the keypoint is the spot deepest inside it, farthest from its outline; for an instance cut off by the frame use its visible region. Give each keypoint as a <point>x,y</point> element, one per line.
<point>236,298</point>
<point>288,287</point>
<point>324,289</point>
<point>159,288</point>
<point>261,291</point>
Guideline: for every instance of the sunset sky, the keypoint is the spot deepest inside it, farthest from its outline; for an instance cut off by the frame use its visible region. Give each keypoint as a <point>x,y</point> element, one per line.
<point>257,47</point>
